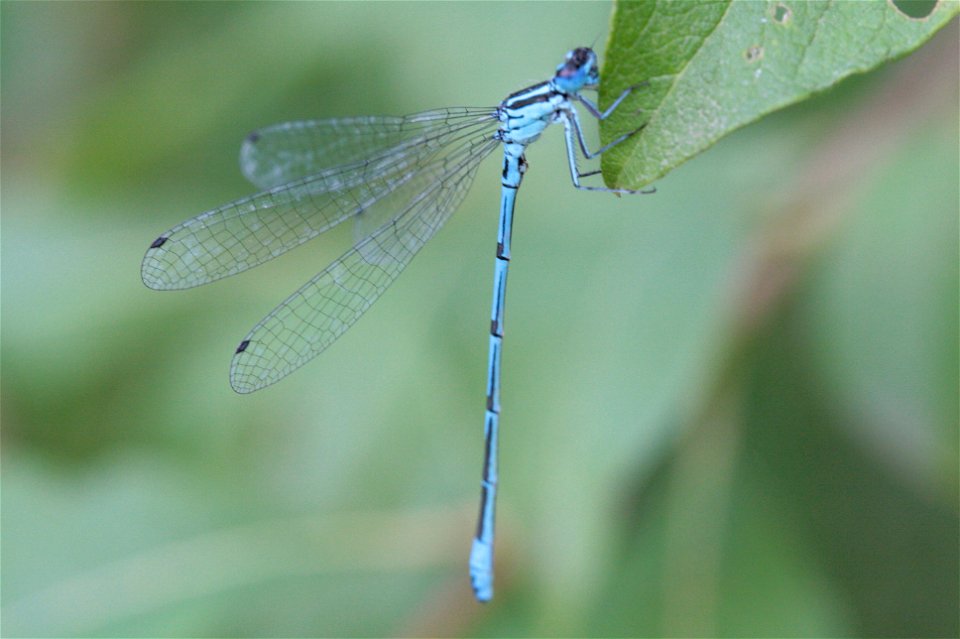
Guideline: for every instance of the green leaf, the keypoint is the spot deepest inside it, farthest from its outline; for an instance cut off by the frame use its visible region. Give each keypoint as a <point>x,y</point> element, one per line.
<point>710,68</point>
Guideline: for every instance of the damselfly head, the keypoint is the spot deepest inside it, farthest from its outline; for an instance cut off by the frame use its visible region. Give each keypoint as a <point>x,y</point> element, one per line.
<point>578,71</point>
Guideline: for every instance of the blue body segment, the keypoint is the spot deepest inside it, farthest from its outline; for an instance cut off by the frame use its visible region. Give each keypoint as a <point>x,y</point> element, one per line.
<point>398,180</point>
<point>481,554</point>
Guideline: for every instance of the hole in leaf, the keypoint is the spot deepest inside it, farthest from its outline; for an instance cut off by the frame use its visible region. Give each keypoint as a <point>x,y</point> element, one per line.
<point>915,8</point>
<point>753,54</point>
<point>782,13</point>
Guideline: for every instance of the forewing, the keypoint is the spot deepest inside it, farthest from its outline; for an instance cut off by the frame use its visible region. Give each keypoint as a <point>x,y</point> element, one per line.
<point>252,230</point>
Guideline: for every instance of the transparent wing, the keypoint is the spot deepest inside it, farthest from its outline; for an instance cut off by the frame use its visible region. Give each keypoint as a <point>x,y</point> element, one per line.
<point>282,153</point>
<point>326,306</point>
<point>375,157</point>
<point>278,154</point>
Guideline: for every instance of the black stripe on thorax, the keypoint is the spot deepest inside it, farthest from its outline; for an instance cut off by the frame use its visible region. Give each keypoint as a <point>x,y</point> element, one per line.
<point>530,95</point>
<point>543,97</point>
<point>527,90</point>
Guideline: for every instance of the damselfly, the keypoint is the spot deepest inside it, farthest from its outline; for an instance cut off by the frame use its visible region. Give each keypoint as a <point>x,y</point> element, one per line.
<point>399,179</point>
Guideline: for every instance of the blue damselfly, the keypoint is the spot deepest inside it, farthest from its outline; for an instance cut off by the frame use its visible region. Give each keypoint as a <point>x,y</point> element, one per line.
<point>398,179</point>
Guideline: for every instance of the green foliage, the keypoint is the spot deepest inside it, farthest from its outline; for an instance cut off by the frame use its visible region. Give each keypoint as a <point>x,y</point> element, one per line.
<point>713,67</point>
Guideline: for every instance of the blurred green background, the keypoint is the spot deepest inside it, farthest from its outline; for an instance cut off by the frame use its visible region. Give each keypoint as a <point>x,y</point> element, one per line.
<point>730,408</point>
